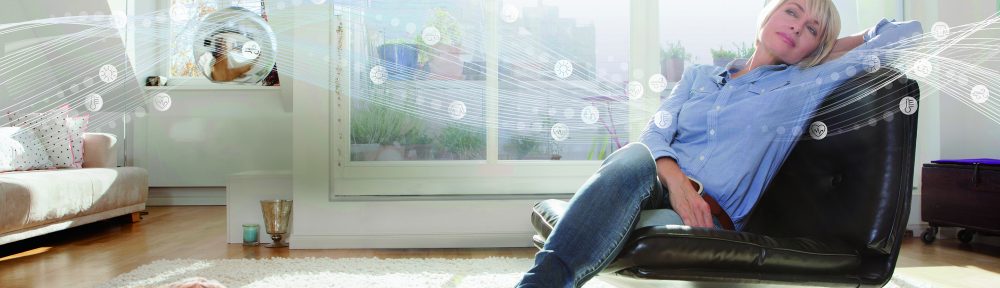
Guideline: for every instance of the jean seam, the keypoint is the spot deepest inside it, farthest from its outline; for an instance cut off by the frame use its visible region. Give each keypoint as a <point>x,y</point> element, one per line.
<point>615,249</point>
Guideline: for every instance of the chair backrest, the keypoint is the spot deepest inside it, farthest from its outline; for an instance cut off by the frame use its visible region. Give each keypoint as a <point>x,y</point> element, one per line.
<point>851,189</point>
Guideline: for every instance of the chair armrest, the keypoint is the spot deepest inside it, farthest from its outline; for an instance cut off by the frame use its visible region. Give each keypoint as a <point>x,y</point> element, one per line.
<point>98,150</point>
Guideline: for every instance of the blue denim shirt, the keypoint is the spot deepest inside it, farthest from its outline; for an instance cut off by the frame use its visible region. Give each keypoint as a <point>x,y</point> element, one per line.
<point>734,134</point>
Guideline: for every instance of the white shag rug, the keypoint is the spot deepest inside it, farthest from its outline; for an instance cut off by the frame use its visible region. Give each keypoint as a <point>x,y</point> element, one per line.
<point>377,273</point>
<point>329,272</point>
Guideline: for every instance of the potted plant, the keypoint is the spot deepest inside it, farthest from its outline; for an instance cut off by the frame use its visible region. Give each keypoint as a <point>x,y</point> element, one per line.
<point>522,145</point>
<point>377,131</point>
<point>443,59</point>
<point>399,58</point>
<point>744,51</point>
<point>672,61</point>
<point>417,142</point>
<point>462,141</point>
<point>722,56</point>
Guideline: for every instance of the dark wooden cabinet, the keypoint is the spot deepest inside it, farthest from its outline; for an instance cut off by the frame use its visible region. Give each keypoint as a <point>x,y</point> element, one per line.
<point>958,195</point>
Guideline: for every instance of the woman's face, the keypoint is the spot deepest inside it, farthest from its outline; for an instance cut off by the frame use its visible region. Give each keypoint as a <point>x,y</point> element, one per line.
<point>792,33</point>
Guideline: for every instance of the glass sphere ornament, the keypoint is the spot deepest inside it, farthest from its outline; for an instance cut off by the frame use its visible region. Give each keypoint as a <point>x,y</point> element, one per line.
<point>234,45</point>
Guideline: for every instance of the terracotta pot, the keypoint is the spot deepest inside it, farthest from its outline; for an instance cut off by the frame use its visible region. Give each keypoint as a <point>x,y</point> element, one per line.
<point>445,63</point>
<point>672,69</point>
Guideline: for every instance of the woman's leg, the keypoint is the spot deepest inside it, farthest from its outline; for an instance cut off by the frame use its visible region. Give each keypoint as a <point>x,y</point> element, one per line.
<point>598,221</point>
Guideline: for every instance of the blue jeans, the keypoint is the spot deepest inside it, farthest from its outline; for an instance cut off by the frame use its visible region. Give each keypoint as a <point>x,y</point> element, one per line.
<point>599,220</point>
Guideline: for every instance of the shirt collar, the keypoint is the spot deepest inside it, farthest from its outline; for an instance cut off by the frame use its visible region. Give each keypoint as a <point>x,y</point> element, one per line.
<point>739,64</point>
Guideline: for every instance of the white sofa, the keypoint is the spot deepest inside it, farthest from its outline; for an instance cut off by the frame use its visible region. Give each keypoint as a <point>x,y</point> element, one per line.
<point>38,202</point>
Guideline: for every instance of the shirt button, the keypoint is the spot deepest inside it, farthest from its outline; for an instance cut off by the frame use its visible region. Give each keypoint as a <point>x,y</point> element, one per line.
<point>717,108</point>
<point>702,157</point>
<point>711,132</point>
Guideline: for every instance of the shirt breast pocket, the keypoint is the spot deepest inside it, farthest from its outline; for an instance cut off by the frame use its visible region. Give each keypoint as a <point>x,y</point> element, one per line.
<point>762,88</point>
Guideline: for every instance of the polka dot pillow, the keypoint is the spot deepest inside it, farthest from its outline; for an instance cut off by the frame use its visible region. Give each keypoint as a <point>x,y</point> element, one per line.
<point>50,128</point>
<point>20,150</point>
<point>77,125</point>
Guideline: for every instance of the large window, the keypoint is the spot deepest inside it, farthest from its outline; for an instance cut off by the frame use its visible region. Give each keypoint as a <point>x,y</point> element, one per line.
<point>420,90</point>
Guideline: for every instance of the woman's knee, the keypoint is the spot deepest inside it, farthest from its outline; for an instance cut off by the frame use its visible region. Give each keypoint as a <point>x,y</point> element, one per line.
<point>635,155</point>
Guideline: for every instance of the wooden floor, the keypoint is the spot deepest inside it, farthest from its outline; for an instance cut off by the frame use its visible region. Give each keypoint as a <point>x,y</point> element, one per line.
<point>91,254</point>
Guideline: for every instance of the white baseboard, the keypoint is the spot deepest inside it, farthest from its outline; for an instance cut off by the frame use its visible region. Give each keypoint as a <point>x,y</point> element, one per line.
<point>492,240</point>
<point>186,196</point>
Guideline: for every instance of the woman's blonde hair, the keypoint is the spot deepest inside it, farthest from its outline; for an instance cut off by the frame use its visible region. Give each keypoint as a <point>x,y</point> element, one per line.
<point>825,12</point>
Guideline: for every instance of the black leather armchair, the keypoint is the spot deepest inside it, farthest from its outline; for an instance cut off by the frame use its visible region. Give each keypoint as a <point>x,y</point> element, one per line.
<point>834,215</point>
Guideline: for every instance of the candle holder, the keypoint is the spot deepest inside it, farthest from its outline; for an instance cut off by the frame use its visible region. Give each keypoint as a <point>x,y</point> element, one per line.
<point>251,233</point>
<point>276,214</point>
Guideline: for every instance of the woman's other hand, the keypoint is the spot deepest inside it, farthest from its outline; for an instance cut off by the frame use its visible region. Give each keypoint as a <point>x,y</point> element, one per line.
<point>684,197</point>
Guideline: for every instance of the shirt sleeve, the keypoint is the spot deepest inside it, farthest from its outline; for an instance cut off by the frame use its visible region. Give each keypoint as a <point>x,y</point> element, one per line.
<point>662,127</point>
<point>882,45</point>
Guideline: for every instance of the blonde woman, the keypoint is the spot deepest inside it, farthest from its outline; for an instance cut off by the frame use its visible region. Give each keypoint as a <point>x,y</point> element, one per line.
<point>729,127</point>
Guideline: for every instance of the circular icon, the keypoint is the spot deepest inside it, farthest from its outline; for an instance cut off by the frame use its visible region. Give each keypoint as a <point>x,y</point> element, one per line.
<point>251,50</point>
<point>872,63</point>
<point>663,119</point>
<point>563,68</point>
<point>108,73</point>
<point>378,74</point>
<point>590,114</point>
<point>162,102</point>
<point>980,94</point>
<point>510,13</point>
<point>908,105</point>
<point>457,110</point>
<point>940,30</point>
<point>94,102</point>
<point>657,83</point>
<point>635,90</point>
<point>431,35</point>
<point>922,68</point>
<point>818,130</point>
<point>139,112</point>
<point>560,132</point>
<point>851,71</point>
<point>179,12</point>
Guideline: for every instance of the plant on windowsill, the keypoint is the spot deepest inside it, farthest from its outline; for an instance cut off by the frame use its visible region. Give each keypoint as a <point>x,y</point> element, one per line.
<point>417,143</point>
<point>377,131</point>
<point>722,56</point>
<point>523,145</point>
<point>443,59</point>
<point>462,142</point>
<point>399,57</point>
<point>672,61</point>
<point>744,51</point>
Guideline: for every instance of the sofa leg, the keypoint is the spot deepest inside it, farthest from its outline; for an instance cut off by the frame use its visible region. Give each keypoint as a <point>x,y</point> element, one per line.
<point>136,217</point>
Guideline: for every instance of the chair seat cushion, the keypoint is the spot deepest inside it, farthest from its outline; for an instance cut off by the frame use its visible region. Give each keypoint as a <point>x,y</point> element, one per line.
<point>700,251</point>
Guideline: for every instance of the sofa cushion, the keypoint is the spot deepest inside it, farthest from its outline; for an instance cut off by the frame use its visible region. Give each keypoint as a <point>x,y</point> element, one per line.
<point>680,247</point>
<point>20,150</point>
<point>34,198</point>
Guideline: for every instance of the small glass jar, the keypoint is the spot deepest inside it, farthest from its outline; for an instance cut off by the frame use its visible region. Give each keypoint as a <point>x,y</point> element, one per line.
<point>250,234</point>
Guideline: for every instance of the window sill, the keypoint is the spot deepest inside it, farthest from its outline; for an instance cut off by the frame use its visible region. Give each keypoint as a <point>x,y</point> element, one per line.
<point>211,87</point>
